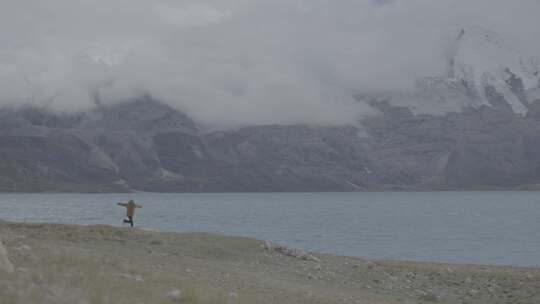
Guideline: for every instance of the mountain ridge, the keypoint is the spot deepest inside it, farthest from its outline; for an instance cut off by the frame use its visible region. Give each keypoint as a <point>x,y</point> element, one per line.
<point>397,150</point>
<point>476,128</point>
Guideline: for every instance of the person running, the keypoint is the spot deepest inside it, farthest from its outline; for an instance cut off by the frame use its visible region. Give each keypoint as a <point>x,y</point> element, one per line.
<point>130,211</point>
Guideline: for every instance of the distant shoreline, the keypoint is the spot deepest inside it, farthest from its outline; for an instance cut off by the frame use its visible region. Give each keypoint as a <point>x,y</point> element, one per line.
<point>516,189</point>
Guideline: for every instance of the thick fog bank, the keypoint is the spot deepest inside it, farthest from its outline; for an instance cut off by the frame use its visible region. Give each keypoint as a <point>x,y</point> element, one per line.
<point>239,62</point>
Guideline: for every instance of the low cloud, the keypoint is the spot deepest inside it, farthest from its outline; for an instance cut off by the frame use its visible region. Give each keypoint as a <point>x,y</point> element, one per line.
<point>238,62</point>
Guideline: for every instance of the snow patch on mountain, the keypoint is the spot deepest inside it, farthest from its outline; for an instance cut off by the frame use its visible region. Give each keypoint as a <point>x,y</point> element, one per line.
<point>483,59</point>
<point>483,68</point>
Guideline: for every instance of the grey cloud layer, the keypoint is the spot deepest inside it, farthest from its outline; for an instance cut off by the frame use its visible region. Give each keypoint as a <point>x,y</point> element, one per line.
<point>240,61</point>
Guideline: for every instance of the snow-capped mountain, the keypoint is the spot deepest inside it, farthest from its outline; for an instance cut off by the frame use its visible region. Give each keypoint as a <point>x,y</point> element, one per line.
<point>146,145</point>
<point>483,60</point>
<point>483,70</point>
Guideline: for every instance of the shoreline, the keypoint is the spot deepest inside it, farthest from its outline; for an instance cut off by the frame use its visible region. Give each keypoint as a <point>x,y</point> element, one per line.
<point>57,263</point>
<point>322,253</point>
<point>516,189</point>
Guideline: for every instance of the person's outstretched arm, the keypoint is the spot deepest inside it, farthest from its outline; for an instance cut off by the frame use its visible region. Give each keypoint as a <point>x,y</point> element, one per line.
<point>122,204</point>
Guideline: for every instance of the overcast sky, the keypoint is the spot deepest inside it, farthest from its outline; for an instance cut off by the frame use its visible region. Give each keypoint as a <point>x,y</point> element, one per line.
<point>236,62</point>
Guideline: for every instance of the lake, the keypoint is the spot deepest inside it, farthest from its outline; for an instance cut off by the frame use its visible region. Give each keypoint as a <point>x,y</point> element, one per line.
<point>496,228</point>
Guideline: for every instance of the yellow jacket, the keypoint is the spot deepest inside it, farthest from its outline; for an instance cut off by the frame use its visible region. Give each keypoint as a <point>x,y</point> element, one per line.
<point>130,207</point>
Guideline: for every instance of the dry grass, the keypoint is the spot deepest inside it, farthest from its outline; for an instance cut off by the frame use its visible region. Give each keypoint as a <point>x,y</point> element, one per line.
<point>77,279</point>
<point>59,264</point>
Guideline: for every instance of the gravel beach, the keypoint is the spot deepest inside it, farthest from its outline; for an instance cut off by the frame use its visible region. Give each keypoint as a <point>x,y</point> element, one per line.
<point>51,263</point>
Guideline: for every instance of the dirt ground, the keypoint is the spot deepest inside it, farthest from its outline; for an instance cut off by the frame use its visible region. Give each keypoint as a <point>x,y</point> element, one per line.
<point>101,264</point>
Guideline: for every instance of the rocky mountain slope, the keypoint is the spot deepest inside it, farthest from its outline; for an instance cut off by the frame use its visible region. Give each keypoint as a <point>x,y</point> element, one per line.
<point>476,127</point>
<point>145,145</point>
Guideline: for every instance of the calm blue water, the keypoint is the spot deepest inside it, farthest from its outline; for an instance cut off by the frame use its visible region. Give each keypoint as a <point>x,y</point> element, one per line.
<point>499,228</point>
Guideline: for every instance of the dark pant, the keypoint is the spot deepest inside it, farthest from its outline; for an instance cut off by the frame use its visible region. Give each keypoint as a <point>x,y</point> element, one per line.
<point>129,220</point>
